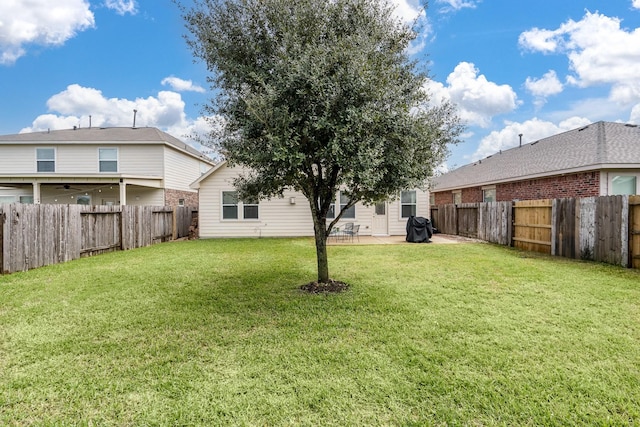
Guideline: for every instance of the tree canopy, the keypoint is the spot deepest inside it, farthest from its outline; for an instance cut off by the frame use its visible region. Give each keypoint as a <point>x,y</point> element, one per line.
<point>319,96</point>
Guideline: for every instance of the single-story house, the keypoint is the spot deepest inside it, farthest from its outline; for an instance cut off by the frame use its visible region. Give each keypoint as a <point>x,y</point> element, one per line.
<point>99,166</point>
<point>221,214</point>
<point>600,159</point>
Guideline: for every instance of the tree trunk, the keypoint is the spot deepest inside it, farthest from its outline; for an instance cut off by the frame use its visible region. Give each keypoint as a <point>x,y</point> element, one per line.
<point>321,251</point>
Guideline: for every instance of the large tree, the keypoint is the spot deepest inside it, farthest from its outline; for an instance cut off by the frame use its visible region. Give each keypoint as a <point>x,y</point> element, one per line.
<point>319,96</point>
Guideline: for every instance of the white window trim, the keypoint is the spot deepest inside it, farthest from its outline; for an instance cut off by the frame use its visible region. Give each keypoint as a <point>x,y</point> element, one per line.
<point>240,206</point>
<point>55,158</point>
<point>403,204</point>
<point>453,195</point>
<point>612,175</point>
<point>336,202</point>
<point>489,187</point>
<point>117,158</point>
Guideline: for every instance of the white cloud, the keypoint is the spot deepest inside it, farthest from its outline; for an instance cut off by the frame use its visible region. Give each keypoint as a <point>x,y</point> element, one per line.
<point>600,52</point>
<point>453,5</point>
<point>122,7</point>
<point>636,4</point>
<point>545,86</point>
<point>478,99</point>
<point>181,85</point>
<point>408,11</point>
<point>74,105</point>
<point>40,22</point>
<point>531,130</point>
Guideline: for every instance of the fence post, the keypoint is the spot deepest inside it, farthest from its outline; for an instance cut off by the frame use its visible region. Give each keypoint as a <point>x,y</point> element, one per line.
<point>3,219</point>
<point>174,225</point>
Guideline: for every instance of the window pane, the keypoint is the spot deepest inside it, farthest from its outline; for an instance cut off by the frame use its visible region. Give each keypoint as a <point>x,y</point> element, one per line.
<point>7,199</point>
<point>489,195</point>
<point>408,210</point>
<point>623,185</point>
<point>83,200</point>
<point>229,197</point>
<point>108,153</point>
<point>332,211</point>
<point>230,212</point>
<point>457,198</point>
<point>46,166</point>
<point>408,197</point>
<point>45,154</point>
<point>381,208</point>
<point>108,166</point>
<point>250,211</point>
<point>350,213</point>
<point>26,199</point>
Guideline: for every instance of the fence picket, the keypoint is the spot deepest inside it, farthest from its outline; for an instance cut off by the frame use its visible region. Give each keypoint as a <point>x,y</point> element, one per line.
<point>33,236</point>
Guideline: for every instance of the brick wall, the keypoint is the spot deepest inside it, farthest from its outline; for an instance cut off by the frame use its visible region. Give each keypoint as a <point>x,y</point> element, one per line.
<point>574,185</point>
<point>172,198</point>
<point>472,195</point>
<point>585,184</point>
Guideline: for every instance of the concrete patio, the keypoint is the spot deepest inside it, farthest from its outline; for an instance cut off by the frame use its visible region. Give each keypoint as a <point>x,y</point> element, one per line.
<point>397,240</point>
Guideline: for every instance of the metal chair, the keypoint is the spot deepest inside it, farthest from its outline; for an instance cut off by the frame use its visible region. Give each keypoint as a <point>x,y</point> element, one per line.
<point>354,231</point>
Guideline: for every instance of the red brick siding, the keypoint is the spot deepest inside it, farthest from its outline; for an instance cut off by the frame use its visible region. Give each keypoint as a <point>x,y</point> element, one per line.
<point>443,198</point>
<point>575,185</point>
<point>172,198</point>
<point>585,184</point>
<point>472,195</point>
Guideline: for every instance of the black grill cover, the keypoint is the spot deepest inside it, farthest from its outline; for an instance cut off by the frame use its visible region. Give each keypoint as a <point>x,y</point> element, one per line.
<point>419,230</point>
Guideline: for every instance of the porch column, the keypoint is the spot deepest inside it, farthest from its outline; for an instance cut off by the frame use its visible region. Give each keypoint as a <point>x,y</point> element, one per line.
<point>36,193</point>
<point>123,193</point>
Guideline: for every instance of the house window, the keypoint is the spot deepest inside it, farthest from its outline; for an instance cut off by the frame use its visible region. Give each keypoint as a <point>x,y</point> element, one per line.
<point>46,159</point>
<point>489,195</point>
<point>108,159</point>
<point>232,207</point>
<point>432,199</point>
<point>229,205</point>
<point>180,202</point>
<point>344,200</point>
<point>349,213</point>
<point>457,197</point>
<point>250,210</point>
<point>26,199</point>
<point>408,203</point>
<point>83,200</point>
<point>623,185</point>
<point>7,199</point>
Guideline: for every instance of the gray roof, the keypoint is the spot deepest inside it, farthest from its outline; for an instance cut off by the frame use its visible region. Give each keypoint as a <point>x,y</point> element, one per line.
<point>601,145</point>
<point>103,135</point>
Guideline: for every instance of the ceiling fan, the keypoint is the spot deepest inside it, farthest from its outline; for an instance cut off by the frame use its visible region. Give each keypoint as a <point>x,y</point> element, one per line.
<point>68,187</point>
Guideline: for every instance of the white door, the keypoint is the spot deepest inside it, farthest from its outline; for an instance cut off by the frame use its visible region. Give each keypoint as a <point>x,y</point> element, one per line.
<point>380,226</point>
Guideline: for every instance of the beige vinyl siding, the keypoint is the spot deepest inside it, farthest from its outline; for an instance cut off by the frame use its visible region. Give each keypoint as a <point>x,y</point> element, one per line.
<point>143,160</point>
<point>16,159</point>
<point>397,224</point>
<point>147,196</point>
<point>277,217</point>
<point>83,159</point>
<point>180,169</point>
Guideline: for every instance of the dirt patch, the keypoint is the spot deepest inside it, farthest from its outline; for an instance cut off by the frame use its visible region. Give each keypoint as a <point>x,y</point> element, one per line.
<point>332,286</point>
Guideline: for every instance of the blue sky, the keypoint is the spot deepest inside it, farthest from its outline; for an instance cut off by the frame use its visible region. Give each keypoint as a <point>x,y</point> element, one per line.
<point>511,66</point>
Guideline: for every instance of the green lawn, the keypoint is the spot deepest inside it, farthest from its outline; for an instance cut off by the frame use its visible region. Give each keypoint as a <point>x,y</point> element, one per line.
<point>217,333</point>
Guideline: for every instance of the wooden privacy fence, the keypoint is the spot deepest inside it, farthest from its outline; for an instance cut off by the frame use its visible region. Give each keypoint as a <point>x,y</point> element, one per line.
<point>604,229</point>
<point>485,221</point>
<point>33,236</point>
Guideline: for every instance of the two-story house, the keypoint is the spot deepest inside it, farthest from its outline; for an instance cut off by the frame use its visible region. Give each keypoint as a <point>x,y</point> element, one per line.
<point>99,166</point>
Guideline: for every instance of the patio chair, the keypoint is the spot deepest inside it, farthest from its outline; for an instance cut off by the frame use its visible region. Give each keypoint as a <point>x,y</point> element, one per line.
<point>353,232</point>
